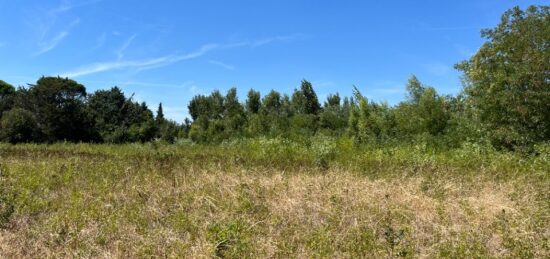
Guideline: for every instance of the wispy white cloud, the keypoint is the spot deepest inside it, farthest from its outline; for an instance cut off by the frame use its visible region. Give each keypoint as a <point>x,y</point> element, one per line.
<point>67,6</point>
<point>101,41</point>
<point>45,21</point>
<point>184,85</point>
<point>106,66</point>
<point>139,64</point>
<point>51,44</point>
<point>46,45</point>
<point>122,49</point>
<point>151,63</point>
<point>189,86</point>
<point>264,41</point>
<point>168,60</point>
<point>64,7</point>
<point>221,64</point>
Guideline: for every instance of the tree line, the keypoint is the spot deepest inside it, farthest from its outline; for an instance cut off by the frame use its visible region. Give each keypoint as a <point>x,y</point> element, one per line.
<point>425,113</point>
<point>59,109</point>
<point>505,102</point>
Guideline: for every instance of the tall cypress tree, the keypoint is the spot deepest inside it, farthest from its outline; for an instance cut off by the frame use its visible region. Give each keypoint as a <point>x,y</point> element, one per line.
<point>305,100</point>
<point>160,115</point>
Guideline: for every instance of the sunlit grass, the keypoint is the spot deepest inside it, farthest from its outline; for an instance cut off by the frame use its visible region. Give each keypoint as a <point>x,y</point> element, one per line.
<point>272,198</point>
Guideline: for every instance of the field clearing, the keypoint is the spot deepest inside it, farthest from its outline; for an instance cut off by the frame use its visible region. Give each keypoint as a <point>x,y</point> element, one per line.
<point>270,199</point>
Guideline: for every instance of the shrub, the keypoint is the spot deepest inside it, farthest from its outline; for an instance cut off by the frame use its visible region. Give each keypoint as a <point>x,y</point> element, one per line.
<point>18,125</point>
<point>324,150</point>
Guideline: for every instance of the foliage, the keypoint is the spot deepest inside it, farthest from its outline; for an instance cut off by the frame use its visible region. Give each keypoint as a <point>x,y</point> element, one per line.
<point>18,125</point>
<point>107,110</point>
<point>424,111</point>
<point>505,103</point>
<point>305,100</point>
<point>507,80</point>
<point>59,107</point>
<point>272,197</point>
<point>334,117</point>
<point>7,93</point>
<point>253,103</point>
<point>370,122</point>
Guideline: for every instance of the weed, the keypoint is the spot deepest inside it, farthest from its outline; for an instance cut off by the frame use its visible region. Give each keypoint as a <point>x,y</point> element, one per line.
<point>229,238</point>
<point>267,198</point>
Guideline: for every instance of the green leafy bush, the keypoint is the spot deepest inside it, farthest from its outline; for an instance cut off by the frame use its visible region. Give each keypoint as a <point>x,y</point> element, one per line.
<point>18,125</point>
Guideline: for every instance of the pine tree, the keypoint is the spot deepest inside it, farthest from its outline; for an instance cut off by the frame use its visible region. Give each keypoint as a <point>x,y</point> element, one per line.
<point>160,115</point>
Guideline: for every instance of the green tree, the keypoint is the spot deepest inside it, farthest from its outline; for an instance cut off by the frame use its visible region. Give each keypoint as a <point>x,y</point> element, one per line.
<point>508,79</point>
<point>370,122</point>
<point>415,89</point>
<point>197,132</point>
<point>199,106</point>
<point>216,117</point>
<point>208,107</point>
<point>432,112</point>
<point>169,131</point>
<point>139,122</point>
<point>360,123</point>
<point>333,100</point>
<point>217,105</point>
<point>303,124</point>
<point>305,100</point>
<point>286,106</point>
<point>160,115</point>
<point>305,108</point>
<point>463,124</point>
<point>106,108</point>
<point>7,93</point>
<point>59,106</point>
<point>273,114</point>
<point>333,117</point>
<point>234,115</point>
<point>271,103</point>
<point>253,103</point>
<point>200,109</point>
<point>257,125</point>
<point>18,125</point>
<point>423,112</point>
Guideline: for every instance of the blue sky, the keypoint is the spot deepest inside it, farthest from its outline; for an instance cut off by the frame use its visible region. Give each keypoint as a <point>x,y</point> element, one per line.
<point>169,51</point>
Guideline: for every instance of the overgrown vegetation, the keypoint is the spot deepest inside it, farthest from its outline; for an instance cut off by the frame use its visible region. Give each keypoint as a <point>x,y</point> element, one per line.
<point>286,176</point>
<point>270,197</point>
<point>505,102</point>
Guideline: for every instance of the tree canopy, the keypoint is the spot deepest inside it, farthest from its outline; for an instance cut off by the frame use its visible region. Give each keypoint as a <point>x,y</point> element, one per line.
<point>508,79</point>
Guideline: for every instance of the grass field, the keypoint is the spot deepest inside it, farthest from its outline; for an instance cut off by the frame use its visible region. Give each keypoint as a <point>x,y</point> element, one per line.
<point>272,198</point>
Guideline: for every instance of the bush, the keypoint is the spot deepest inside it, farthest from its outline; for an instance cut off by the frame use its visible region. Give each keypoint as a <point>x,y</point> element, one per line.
<point>304,124</point>
<point>197,134</point>
<point>118,135</point>
<point>324,150</point>
<point>168,132</point>
<point>18,125</point>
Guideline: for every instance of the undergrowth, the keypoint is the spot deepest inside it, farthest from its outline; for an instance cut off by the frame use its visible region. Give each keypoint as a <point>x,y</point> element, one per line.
<point>275,197</point>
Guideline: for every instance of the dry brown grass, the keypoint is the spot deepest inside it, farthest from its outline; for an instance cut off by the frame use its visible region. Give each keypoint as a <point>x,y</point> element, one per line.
<point>113,208</point>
